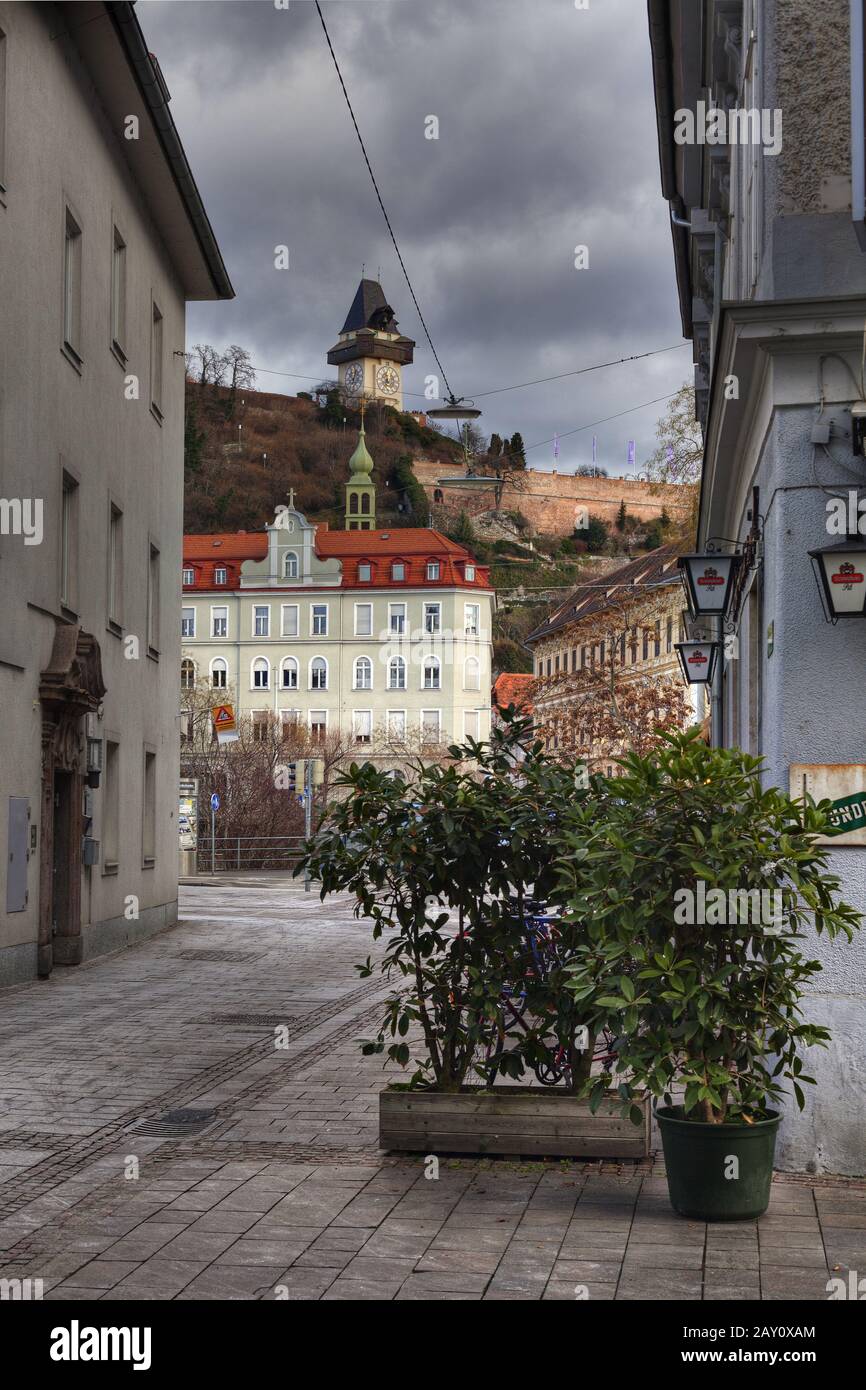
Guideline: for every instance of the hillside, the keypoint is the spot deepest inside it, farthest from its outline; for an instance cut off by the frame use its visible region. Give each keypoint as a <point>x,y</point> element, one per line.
<point>244,450</point>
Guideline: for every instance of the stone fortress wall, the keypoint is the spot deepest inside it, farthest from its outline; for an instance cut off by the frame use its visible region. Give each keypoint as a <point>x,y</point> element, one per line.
<point>551,501</point>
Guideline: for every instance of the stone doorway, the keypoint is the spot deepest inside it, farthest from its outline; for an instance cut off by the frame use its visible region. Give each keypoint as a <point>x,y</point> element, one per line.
<point>70,687</point>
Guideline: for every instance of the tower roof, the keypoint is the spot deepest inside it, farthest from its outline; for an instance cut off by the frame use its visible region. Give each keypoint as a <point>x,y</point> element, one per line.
<point>360,464</point>
<point>370,309</point>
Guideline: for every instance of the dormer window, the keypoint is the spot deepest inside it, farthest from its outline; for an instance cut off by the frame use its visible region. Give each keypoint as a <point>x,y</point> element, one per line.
<point>220,574</point>
<point>398,571</point>
<point>470,574</point>
<point>290,565</point>
<point>433,569</point>
<point>365,572</point>
<point>188,576</point>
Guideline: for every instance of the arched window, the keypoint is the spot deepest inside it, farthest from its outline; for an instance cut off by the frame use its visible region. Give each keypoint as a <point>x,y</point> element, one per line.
<point>431,673</point>
<point>261,674</point>
<point>290,565</point>
<point>363,673</point>
<point>318,673</point>
<point>396,673</point>
<point>472,673</point>
<point>353,503</point>
<point>289,670</point>
<point>187,674</point>
<point>218,673</point>
<point>365,504</point>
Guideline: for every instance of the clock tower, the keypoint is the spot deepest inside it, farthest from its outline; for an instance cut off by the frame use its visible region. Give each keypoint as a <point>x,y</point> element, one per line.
<point>371,352</point>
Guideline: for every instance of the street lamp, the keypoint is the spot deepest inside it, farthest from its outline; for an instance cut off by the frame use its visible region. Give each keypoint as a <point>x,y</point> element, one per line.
<point>709,583</point>
<point>840,572</point>
<point>698,661</point>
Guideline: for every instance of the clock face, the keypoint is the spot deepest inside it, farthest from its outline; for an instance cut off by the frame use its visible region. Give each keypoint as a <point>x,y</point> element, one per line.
<point>388,380</point>
<point>354,378</point>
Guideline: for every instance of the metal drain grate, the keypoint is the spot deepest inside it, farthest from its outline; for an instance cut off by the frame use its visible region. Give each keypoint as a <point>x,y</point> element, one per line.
<point>229,957</point>
<point>176,1124</point>
<point>249,1020</point>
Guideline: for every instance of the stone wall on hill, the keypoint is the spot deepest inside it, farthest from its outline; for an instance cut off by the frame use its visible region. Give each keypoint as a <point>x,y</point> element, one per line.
<point>551,502</point>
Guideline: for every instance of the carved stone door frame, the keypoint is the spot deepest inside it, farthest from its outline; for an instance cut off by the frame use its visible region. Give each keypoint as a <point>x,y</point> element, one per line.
<point>70,687</point>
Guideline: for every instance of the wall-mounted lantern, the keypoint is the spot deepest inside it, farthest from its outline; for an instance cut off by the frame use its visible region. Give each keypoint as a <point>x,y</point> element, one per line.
<point>840,571</point>
<point>698,661</point>
<point>709,583</point>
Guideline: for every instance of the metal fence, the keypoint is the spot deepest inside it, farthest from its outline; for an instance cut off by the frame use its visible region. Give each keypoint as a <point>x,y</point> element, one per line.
<point>233,852</point>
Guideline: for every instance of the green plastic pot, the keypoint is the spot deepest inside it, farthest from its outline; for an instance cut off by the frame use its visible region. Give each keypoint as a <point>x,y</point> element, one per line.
<point>718,1172</point>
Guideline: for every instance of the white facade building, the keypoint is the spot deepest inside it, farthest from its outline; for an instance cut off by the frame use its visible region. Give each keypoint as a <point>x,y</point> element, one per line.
<point>103,237</point>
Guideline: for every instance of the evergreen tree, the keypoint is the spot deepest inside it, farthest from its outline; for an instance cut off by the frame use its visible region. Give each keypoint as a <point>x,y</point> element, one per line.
<point>495,446</point>
<point>664,519</point>
<point>517,451</point>
<point>621,516</point>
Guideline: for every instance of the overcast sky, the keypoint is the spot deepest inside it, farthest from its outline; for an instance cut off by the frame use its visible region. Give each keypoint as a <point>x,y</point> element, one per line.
<point>546,142</point>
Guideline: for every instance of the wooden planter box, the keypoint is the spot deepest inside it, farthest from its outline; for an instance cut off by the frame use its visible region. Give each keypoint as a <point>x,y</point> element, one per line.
<point>508,1120</point>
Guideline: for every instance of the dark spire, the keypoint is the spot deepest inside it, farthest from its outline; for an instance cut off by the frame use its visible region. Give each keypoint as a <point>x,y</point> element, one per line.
<point>370,309</point>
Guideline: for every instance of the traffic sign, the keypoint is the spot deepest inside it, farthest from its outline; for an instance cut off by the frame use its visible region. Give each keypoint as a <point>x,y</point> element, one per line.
<point>224,723</point>
<point>214,802</point>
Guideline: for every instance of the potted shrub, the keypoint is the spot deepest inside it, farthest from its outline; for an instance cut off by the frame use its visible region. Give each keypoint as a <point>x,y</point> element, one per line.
<point>443,862</point>
<point>701,889</point>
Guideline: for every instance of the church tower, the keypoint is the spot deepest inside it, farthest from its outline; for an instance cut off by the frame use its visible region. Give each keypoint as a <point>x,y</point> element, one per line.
<point>360,489</point>
<point>371,351</point>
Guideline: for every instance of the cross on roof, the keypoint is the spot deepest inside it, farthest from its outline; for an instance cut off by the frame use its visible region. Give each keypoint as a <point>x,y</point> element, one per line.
<point>291,496</point>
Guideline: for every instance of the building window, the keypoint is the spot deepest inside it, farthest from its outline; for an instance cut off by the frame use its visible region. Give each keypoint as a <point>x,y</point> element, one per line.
<point>657,638</point>
<point>187,622</point>
<point>363,619</point>
<point>260,724</point>
<point>111,807</point>
<point>432,617</point>
<point>633,645</point>
<point>148,810</point>
<point>261,620</point>
<point>219,622</point>
<point>574,658</point>
<point>187,674</point>
<point>187,576</point>
<point>556,664</point>
<point>362,725</point>
<point>156,362</point>
<point>220,574</point>
<point>72,287</point>
<point>290,565</point>
<point>472,614</point>
<point>396,724</point>
<point>118,294</point>
<point>363,673</point>
<point>318,673</point>
<point>289,667</point>
<point>472,724</point>
<point>472,673</point>
<point>397,619</point>
<point>365,572</point>
<point>431,725</point>
<point>396,673</point>
<point>115,565</point>
<point>69,543</point>
<point>549,663</point>
<point>2,110</point>
<point>645,649</point>
<point>398,571</point>
<point>431,673</point>
<point>470,574</point>
<point>218,673</point>
<point>289,719</point>
<point>320,620</point>
<point>433,569</point>
<point>669,635</point>
<point>318,725</point>
<point>365,506</point>
<point>261,674</point>
<point>153,601</point>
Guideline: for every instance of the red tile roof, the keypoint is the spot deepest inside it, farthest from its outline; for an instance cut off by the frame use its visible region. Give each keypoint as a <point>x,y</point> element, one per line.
<point>512,688</point>
<point>414,545</point>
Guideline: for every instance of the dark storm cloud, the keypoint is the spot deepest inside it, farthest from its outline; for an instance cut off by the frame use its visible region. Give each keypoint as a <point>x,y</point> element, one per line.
<point>547,141</point>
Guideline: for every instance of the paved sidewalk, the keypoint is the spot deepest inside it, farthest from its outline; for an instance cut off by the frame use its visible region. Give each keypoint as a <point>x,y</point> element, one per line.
<point>249,1013</point>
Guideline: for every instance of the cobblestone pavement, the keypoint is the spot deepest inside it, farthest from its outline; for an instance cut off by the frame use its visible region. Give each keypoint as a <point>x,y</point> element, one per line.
<point>279,1189</point>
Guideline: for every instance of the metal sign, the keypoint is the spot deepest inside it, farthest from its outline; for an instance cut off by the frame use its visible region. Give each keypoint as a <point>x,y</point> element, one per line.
<point>224,723</point>
<point>214,802</point>
<point>843,784</point>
